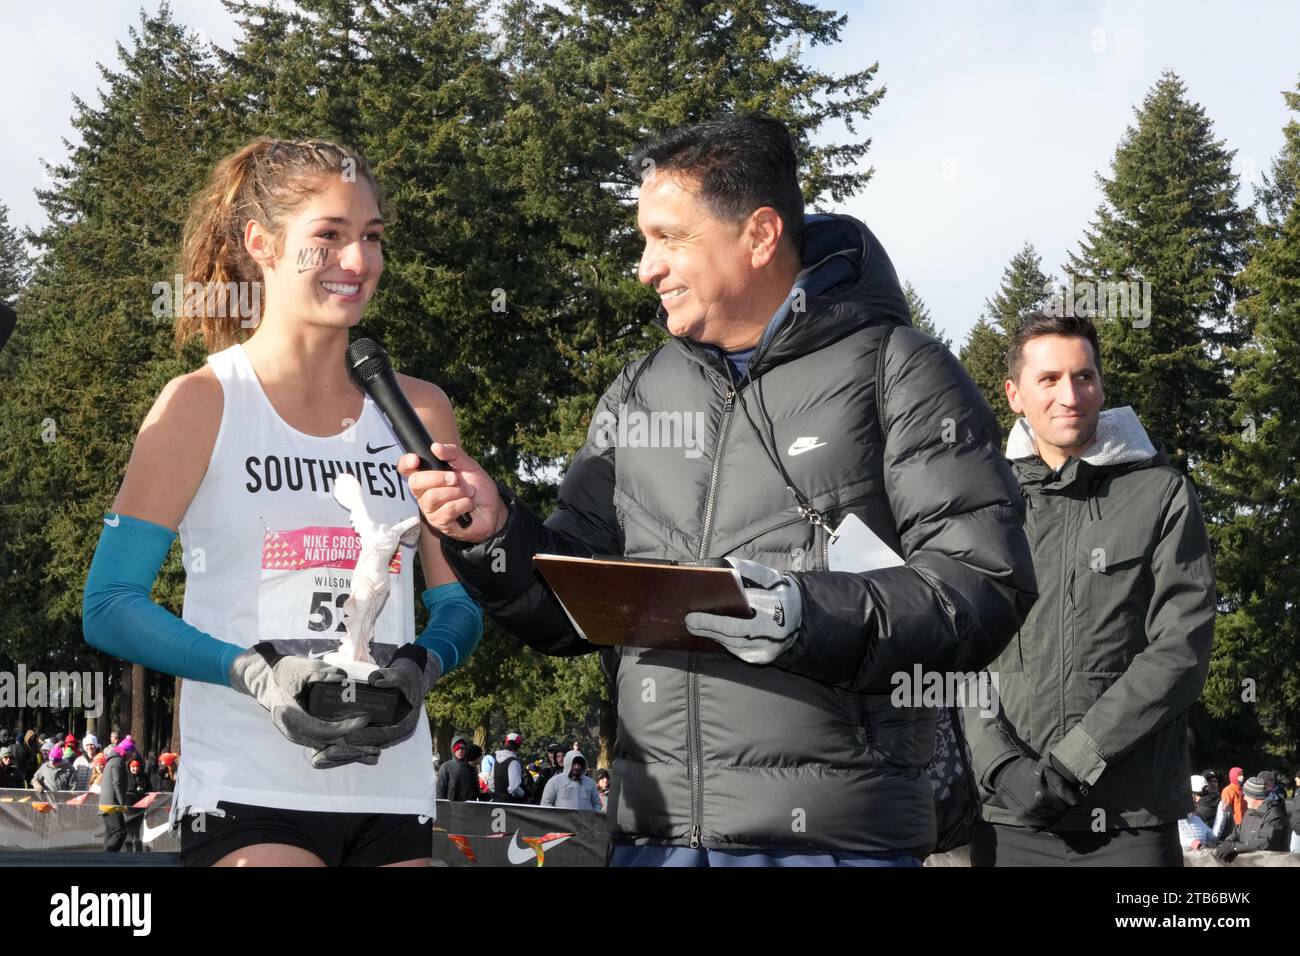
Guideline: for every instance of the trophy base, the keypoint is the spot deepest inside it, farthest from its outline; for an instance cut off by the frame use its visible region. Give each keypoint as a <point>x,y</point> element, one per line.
<point>384,706</point>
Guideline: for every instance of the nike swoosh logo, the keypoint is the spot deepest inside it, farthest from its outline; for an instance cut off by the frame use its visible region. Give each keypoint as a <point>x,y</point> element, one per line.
<point>317,655</point>
<point>375,451</point>
<point>114,523</point>
<point>518,854</point>
<point>148,834</point>
<point>801,445</point>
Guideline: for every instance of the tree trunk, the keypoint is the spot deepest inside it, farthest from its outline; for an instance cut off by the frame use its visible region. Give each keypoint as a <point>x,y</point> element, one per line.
<point>175,746</point>
<point>608,732</point>
<point>442,732</point>
<point>139,705</point>
<point>104,722</point>
<point>126,699</point>
<point>159,712</point>
<point>481,734</point>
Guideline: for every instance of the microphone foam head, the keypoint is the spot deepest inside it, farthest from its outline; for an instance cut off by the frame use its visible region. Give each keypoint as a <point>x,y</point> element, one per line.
<point>366,359</point>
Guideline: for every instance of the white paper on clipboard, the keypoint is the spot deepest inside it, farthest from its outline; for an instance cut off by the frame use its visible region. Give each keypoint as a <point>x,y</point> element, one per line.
<point>855,547</point>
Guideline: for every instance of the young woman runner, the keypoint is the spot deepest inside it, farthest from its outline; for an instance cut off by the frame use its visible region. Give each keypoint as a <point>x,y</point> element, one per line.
<point>283,251</point>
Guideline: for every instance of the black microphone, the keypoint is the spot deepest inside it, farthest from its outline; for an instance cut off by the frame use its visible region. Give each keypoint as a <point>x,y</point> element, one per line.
<point>369,367</point>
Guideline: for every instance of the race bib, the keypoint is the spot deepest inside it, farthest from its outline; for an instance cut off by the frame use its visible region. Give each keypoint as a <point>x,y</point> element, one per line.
<point>306,580</point>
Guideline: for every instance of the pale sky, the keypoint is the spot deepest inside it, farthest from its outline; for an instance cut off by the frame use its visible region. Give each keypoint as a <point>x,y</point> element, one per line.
<point>998,113</point>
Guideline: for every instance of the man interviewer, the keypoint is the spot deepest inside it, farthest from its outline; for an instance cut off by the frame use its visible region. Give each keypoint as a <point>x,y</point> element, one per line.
<point>786,749</point>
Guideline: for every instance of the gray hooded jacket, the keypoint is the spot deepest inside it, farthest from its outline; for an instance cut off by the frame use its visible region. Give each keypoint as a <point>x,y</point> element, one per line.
<point>807,753</point>
<point>568,794</point>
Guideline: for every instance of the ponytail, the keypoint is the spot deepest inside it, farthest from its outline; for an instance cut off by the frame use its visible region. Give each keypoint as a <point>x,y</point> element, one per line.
<point>264,180</point>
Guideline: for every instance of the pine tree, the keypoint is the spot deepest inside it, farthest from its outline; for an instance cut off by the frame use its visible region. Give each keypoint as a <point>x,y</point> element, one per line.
<point>920,314</point>
<point>90,355</point>
<point>1171,227</point>
<point>591,79</point>
<point>1258,639</point>
<point>464,299</point>
<point>15,261</point>
<point>1024,290</point>
<point>296,70</point>
<point>983,355</point>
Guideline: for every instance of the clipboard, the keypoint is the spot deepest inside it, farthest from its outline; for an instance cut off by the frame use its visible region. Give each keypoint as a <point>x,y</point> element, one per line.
<point>634,602</point>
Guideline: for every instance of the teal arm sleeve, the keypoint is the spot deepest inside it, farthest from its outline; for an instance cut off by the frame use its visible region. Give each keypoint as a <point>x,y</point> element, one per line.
<point>120,618</point>
<point>455,625</point>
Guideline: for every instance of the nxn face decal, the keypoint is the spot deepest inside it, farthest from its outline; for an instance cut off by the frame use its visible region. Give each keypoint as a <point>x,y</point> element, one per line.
<point>311,258</point>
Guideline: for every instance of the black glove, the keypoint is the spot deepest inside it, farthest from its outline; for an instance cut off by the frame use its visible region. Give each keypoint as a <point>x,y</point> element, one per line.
<point>1035,791</point>
<point>413,671</point>
<point>1227,852</point>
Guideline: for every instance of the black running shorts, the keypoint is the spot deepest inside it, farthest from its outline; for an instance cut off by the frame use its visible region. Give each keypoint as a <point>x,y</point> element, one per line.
<point>339,839</point>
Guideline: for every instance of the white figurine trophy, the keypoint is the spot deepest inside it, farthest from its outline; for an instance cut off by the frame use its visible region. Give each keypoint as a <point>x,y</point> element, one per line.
<point>362,608</point>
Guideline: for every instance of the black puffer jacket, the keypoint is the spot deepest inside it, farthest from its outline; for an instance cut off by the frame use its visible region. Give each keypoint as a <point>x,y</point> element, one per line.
<point>807,753</point>
<point>1264,828</point>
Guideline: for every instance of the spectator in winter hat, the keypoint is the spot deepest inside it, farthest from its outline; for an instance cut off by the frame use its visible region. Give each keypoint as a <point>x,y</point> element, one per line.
<point>1264,826</point>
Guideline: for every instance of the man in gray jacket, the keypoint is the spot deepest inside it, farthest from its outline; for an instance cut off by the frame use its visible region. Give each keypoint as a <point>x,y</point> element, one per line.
<point>112,799</point>
<point>572,789</point>
<point>809,399</point>
<point>1085,763</point>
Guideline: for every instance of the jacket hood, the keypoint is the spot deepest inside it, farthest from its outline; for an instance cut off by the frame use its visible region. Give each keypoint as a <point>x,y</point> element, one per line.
<point>1233,774</point>
<point>1120,440</point>
<point>846,282</point>
<point>571,756</point>
<point>1119,445</point>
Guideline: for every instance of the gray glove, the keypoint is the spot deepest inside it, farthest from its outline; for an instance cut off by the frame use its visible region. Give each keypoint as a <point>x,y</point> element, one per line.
<point>276,680</point>
<point>763,637</point>
<point>413,671</point>
<point>341,754</point>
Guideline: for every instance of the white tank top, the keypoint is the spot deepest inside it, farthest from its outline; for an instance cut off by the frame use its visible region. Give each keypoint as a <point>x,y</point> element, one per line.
<point>269,555</point>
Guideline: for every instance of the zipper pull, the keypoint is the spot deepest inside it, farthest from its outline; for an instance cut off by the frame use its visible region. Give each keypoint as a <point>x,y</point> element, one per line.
<point>807,511</point>
<point>695,836</point>
<point>726,399</point>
